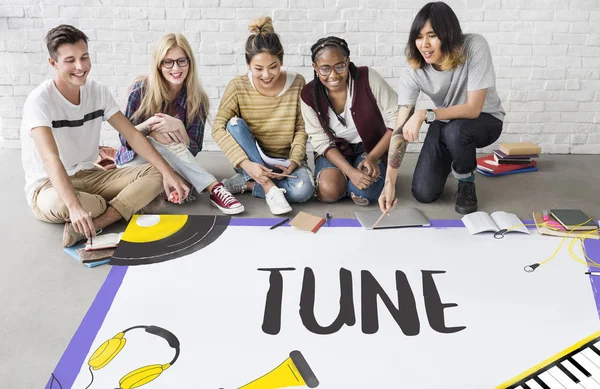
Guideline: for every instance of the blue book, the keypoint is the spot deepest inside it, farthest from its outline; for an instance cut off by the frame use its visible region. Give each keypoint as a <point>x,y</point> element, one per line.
<point>525,170</point>
<point>72,251</point>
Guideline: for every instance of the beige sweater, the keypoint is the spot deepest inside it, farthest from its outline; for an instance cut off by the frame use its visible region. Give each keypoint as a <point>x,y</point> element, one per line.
<point>276,122</point>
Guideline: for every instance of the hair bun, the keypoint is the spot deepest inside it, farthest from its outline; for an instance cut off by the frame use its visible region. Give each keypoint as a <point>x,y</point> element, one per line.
<point>262,25</point>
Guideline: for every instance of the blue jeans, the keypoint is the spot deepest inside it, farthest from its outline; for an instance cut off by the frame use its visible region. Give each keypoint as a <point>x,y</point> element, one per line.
<point>451,147</point>
<point>184,163</point>
<point>372,192</point>
<point>298,190</point>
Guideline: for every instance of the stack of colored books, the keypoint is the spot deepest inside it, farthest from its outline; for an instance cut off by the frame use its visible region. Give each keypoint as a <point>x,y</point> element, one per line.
<point>510,158</point>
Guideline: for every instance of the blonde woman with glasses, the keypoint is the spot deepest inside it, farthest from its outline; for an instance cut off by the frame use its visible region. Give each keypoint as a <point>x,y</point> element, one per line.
<point>170,107</point>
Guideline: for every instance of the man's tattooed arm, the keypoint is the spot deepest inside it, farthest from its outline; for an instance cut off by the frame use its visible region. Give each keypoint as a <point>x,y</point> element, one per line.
<point>397,142</point>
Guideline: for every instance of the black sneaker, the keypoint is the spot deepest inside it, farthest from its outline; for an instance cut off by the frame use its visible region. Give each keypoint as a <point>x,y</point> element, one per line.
<point>466,198</point>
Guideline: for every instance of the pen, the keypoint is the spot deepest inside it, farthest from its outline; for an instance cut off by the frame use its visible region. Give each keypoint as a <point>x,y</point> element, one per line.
<point>280,223</point>
<point>545,215</point>
<point>593,273</point>
<point>91,242</point>
<point>327,218</point>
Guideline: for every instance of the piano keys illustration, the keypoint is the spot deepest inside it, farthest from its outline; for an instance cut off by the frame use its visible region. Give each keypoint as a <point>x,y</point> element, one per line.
<point>577,367</point>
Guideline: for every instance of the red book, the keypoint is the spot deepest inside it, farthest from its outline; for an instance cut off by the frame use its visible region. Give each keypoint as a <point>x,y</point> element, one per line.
<point>488,164</point>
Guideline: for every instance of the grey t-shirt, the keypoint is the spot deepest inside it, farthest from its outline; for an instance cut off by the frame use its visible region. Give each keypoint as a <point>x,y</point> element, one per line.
<point>450,87</point>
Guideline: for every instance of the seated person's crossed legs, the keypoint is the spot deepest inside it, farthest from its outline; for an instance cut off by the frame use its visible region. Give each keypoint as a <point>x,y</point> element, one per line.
<point>107,196</point>
<point>278,191</point>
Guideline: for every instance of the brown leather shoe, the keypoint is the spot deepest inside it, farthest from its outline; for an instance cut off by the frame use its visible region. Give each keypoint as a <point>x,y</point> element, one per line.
<point>70,236</point>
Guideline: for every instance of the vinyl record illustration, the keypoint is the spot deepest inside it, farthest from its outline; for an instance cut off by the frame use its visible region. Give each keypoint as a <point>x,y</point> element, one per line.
<point>158,238</point>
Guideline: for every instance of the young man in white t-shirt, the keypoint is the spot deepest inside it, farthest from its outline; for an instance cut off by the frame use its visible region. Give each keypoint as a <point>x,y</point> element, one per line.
<point>60,135</point>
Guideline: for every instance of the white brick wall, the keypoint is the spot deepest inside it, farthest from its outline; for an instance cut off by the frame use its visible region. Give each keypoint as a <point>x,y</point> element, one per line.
<point>546,53</point>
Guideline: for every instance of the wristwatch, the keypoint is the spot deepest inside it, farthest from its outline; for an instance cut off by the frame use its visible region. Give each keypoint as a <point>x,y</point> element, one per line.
<point>429,116</point>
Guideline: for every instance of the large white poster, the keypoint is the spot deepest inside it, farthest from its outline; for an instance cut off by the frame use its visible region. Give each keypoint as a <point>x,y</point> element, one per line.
<point>421,308</point>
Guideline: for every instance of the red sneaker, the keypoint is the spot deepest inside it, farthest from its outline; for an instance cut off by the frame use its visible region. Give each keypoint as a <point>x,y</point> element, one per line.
<point>222,199</point>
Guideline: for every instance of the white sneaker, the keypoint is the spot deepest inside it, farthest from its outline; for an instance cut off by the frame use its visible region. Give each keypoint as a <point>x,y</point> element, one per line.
<point>277,202</point>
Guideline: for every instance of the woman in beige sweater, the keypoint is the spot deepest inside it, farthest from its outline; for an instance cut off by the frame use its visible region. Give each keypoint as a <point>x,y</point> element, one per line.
<point>259,125</point>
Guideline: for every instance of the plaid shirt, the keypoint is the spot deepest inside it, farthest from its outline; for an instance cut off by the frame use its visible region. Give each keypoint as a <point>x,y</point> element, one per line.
<point>195,130</point>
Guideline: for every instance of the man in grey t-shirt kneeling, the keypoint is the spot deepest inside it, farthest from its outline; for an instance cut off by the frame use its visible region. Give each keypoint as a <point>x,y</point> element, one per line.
<point>455,70</point>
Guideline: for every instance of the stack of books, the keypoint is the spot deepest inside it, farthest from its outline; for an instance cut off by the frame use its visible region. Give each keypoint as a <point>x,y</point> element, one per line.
<point>96,253</point>
<point>510,158</point>
<point>572,223</point>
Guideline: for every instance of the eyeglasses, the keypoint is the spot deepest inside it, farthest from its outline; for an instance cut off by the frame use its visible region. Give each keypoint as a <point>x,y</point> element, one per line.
<point>169,63</point>
<point>339,68</point>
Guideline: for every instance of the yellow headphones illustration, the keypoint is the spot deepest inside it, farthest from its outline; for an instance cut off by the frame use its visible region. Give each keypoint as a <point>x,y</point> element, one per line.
<point>109,350</point>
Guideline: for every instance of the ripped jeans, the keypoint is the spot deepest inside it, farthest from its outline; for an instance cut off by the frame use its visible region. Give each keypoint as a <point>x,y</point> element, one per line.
<point>372,192</point>
<point>298,190</point>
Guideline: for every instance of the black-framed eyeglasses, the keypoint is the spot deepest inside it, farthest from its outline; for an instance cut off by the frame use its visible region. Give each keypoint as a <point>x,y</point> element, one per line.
<point>339,68</point>
<point>169,63</point>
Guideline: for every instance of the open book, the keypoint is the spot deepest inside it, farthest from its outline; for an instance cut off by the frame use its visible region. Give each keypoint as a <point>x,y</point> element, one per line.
<point>104,241</point>
<point>477,222</point>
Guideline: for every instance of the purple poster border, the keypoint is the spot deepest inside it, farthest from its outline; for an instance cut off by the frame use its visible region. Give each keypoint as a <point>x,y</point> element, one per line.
<point>74,356</point>
<point>69,365</point>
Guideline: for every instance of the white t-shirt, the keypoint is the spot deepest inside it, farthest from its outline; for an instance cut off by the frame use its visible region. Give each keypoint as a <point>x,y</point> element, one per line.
<point>348,132</point>
<point>76,128</point>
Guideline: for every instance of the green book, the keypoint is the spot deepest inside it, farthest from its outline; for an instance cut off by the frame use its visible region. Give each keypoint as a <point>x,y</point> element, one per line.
<point>574,219</point>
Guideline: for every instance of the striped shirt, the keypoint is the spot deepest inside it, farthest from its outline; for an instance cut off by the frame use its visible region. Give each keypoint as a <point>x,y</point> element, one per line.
<point>195,130</point>
<point>276,122</point>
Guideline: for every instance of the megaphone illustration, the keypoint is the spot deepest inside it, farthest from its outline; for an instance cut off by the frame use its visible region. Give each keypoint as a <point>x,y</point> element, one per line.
<point>294,371</point>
